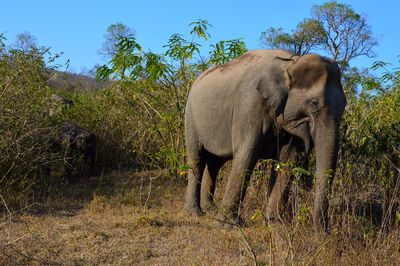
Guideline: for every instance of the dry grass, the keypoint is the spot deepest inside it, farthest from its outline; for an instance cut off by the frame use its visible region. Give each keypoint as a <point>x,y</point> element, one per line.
<point>136,218</point>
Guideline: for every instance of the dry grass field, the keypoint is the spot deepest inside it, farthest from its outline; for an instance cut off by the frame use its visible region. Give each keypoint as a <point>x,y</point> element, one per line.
<point>136,218</point>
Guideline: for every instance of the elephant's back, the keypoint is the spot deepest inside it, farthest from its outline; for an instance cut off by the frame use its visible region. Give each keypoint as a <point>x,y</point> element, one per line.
<point>219,85</point>
<point>242,65</point>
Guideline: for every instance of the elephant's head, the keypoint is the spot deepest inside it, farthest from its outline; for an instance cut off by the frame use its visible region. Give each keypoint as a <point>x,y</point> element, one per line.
<point>314,106</point>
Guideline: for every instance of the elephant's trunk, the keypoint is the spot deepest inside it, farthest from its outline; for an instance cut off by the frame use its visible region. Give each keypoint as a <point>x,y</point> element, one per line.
<point>326,140</point>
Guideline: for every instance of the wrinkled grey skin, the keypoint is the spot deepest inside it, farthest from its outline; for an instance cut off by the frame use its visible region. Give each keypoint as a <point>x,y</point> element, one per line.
<point>76,143</point>
<point>239,111</point>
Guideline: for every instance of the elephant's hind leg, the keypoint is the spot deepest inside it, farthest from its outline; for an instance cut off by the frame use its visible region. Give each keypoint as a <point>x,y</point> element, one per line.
<point>208,183</point>
<point>196,161</point>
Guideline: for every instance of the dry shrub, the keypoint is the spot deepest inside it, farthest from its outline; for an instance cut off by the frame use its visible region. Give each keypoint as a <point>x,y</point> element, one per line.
<point>25,127</point>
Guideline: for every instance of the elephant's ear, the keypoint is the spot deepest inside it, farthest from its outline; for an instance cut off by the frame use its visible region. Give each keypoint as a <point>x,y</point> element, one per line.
<point>274,86</point>
<point>305,71</point>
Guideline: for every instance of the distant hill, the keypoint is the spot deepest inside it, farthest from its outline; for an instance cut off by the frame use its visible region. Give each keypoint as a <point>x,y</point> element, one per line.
<point>74,82</point>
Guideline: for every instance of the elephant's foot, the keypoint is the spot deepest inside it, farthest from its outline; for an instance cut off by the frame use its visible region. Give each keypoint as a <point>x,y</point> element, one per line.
<point>273,213</point>
<point>193,210</point>
<point>275,217</point>
<point>272,219</point>
<point>230,222</point>
<point>208,206</point>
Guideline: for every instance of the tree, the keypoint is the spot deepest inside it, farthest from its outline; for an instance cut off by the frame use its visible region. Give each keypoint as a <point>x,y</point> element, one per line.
<point>111,48</point>
<point>347,33</point>
<point>114,34</point>
<point>309,34</point>
<point>334,28</point>
<point>25,42</point>
<point>177,65</point>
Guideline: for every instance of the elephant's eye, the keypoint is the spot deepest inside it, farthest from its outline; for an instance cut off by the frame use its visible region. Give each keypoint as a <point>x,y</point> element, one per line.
<point>312,104</point>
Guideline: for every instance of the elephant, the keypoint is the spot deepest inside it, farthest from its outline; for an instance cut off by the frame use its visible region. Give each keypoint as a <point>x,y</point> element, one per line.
<point>78,146</point>
<point>262,104</point>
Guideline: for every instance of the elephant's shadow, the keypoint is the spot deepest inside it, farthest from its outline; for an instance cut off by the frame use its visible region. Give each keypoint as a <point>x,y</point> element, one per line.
<point>146,190</point>
<point>70,197</point>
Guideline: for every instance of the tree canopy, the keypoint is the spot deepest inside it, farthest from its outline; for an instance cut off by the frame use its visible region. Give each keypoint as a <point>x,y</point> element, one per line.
<point>334,28</point>
<point>112,37</point>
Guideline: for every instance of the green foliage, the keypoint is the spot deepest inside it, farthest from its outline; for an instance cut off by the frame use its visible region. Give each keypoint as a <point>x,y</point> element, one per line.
<point>179,49</point>
<point>225,51</point>
<point>370,155</point>
<point>200,28</point>
<point>130,62</point>
<point>276,38</point>
<point>25,124</point>
<point>309,34</point>
<point>372,121</point>
<point>112,37</point>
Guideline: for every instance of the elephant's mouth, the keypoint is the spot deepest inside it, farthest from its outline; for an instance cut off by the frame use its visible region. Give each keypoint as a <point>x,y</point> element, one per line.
<point>301,128</point>
<point>292,124</point>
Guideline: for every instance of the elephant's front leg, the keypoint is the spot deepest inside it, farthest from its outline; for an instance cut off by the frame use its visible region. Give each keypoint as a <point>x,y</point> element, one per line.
<point>242,167</point>
<point>279,183</point>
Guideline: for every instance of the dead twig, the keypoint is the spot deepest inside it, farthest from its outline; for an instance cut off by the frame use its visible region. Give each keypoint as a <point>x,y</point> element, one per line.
<point>15,240</point>
<point>318,251</point>
<point>392,200</point>
<point>9,216</point>
<point>247,244</point>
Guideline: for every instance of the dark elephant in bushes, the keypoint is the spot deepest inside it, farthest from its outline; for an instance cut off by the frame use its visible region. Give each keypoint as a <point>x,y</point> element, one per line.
<point>78,148</point>
<point>263,104</point>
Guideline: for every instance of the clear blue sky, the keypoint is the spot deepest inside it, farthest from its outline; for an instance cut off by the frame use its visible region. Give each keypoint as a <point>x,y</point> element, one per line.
<point>77,27</point>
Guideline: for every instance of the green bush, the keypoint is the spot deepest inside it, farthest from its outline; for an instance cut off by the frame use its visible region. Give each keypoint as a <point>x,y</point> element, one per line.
<point>369,160</point>
<point>25,125</point>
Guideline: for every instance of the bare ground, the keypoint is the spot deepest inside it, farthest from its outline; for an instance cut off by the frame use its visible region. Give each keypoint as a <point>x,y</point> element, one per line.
<point>136,218</point>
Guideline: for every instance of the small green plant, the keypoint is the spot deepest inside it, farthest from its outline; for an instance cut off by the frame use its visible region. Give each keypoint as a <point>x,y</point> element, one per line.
<point>304,215</point>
